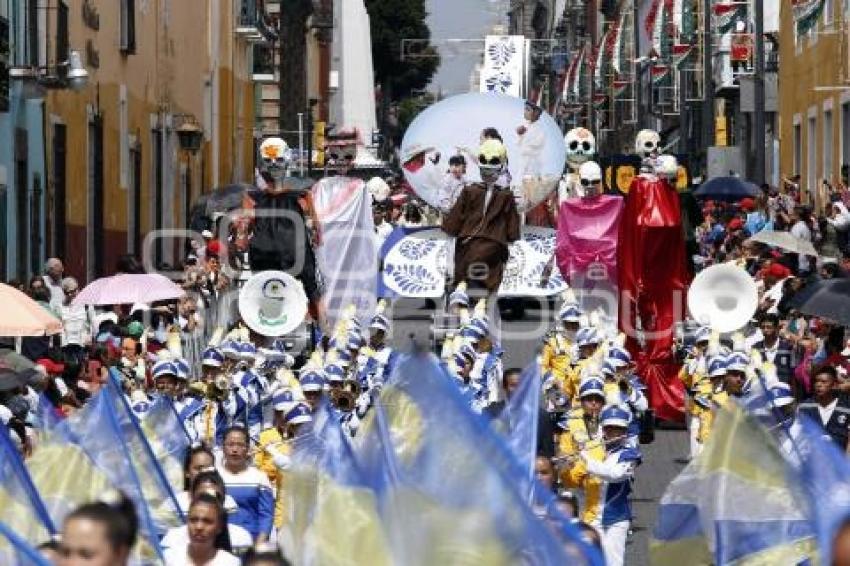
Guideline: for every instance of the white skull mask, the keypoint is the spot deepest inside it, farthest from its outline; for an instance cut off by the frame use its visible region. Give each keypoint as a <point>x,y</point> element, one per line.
<point>580,146</point>
<point>590,178</point>
<point>667,166</point>
<point>647,143</point>
<point>274,157</point>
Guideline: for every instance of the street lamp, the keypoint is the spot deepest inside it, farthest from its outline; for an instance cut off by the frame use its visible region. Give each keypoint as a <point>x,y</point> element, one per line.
<point>189,134</point>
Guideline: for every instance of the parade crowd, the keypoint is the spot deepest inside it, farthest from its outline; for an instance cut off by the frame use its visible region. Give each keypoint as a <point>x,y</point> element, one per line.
<point>243,399</point>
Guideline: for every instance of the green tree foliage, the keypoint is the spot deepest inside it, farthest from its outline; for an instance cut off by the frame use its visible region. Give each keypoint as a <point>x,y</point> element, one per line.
<point>392,21</point>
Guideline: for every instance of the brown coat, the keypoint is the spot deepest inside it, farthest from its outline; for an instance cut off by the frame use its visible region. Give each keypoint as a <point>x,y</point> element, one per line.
<point>501,223</point>
<point>481,249</point>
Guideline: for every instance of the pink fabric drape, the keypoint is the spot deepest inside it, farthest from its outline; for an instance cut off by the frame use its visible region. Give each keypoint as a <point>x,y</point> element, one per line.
<point>588,230</point>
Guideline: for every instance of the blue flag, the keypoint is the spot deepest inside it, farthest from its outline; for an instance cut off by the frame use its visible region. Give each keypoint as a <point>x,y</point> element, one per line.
<point>20,552</point>
<point>102,430</point>
<point>23,509</point>
<point>447,482</point>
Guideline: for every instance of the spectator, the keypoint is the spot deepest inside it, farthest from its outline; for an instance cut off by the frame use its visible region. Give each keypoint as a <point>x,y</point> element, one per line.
<point>76,329</point>
<point>53,280</point>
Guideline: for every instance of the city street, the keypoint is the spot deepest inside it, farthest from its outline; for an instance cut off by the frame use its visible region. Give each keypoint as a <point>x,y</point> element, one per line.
<point>652,195</point>
<point>662,459</point>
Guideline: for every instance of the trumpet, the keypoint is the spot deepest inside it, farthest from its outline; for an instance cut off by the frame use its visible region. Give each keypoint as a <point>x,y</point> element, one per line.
<point>570,459</point>
<point>345,397</point>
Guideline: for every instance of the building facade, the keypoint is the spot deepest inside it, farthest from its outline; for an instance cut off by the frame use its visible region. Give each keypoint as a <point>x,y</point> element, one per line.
<point>814,99</point>
<point>115,166</point>
<point>22,168</point>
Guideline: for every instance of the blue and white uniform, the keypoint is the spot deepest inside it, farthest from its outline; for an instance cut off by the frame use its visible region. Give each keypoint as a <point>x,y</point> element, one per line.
<point>611,509</point>
<point>252,492</point>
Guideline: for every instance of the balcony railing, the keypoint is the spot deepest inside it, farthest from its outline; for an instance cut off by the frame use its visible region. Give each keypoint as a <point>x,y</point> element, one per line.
<point>253,23</point>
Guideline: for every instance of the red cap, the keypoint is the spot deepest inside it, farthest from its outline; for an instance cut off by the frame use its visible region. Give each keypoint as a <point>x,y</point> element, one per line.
<point>748,205</point>
<point>778,271</point>
<point>53,368</point>
<point>214,248</point>
<point>735,224</point>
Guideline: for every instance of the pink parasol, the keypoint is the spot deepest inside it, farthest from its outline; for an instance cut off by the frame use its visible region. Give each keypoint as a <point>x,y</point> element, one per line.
<point>24,317</point>
<point>127,289</point>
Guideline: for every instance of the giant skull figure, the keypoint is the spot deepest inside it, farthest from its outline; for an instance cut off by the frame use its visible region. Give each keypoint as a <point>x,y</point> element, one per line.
<point>653,275</point>
<point>586,242</point>
<point>647,147</point>
<point>580,145</point>
<point>274,158</point>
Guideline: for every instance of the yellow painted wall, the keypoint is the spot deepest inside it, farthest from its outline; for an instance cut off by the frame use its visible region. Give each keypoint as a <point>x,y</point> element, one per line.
<point>818,60</point>
<point>167,75</point>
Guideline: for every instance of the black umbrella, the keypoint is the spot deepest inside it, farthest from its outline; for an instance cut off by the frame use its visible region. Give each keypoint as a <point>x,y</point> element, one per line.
<point>828,299</point>
<point>727,189</point>
<point>226,198</point>
<point>10,379</point>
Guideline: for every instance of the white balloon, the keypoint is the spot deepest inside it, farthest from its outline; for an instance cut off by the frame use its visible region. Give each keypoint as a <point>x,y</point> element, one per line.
<point>454,125</point>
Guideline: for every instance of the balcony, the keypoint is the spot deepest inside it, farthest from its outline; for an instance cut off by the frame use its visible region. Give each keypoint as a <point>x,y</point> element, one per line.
<point>253,24</point>
<point>264,67</point>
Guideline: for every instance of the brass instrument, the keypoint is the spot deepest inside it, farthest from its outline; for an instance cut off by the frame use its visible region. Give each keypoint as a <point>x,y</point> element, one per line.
<point>344,398</point>
<point>570,459</point>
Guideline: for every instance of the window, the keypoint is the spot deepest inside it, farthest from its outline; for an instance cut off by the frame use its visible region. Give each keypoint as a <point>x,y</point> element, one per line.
<point>811,163</point>
<point>59,190</point>
<point>4,58</point>
<point>157,207</point>
<point>845,133</point>
<point>827,145</point>
<point>62,49</point>
<point>128,26</point>
<point>798,150</point>
<point>134,231</point>
<point>95,235</point>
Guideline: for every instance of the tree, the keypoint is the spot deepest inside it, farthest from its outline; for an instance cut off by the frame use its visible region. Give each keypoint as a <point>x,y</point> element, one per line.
<point>391,21</point>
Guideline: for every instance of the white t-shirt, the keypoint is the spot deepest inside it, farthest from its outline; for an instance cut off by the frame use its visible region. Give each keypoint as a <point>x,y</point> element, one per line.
<point>826,412</point>
<point>57,294</point>
<point>800,230</point>
<point>180,557</point>
<point>178,538</point>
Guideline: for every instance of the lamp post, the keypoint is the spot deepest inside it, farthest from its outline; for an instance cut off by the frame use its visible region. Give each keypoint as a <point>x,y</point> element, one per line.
<point>312,104</point>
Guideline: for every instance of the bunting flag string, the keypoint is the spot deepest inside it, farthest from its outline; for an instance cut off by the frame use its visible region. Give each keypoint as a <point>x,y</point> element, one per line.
<point>806,14</point>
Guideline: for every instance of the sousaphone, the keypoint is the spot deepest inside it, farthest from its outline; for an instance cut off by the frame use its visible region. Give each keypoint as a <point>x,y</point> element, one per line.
<point>723,297</point>
<point>272,303</point>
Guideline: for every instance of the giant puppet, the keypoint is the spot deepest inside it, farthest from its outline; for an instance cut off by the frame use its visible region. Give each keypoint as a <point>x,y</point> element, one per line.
<point>580,147</point>
<point>586,250</point>
<point>485,221</point>
<point>653,277</point>
<point>285,230</point>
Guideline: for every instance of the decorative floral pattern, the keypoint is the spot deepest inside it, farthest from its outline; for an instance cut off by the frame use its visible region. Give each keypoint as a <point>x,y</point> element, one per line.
<point>499,82</point>
<point>416,266</point>
<point>415,248</point>
<point>501,52</point>
<point>413,280</point>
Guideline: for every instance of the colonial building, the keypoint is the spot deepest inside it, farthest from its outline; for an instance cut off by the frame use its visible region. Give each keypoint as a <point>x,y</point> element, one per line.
<point>814,98</point>
<point>123,158</point>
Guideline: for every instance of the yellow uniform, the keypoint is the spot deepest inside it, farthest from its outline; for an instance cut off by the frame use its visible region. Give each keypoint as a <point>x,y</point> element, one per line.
<point>271,439</point>
<point>574,439</point>
<point>557,360</point>
<point>575,474</point>
<point>697,384</point>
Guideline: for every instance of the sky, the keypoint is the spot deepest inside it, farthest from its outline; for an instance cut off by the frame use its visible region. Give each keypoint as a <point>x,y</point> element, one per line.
<point>460,19</point>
